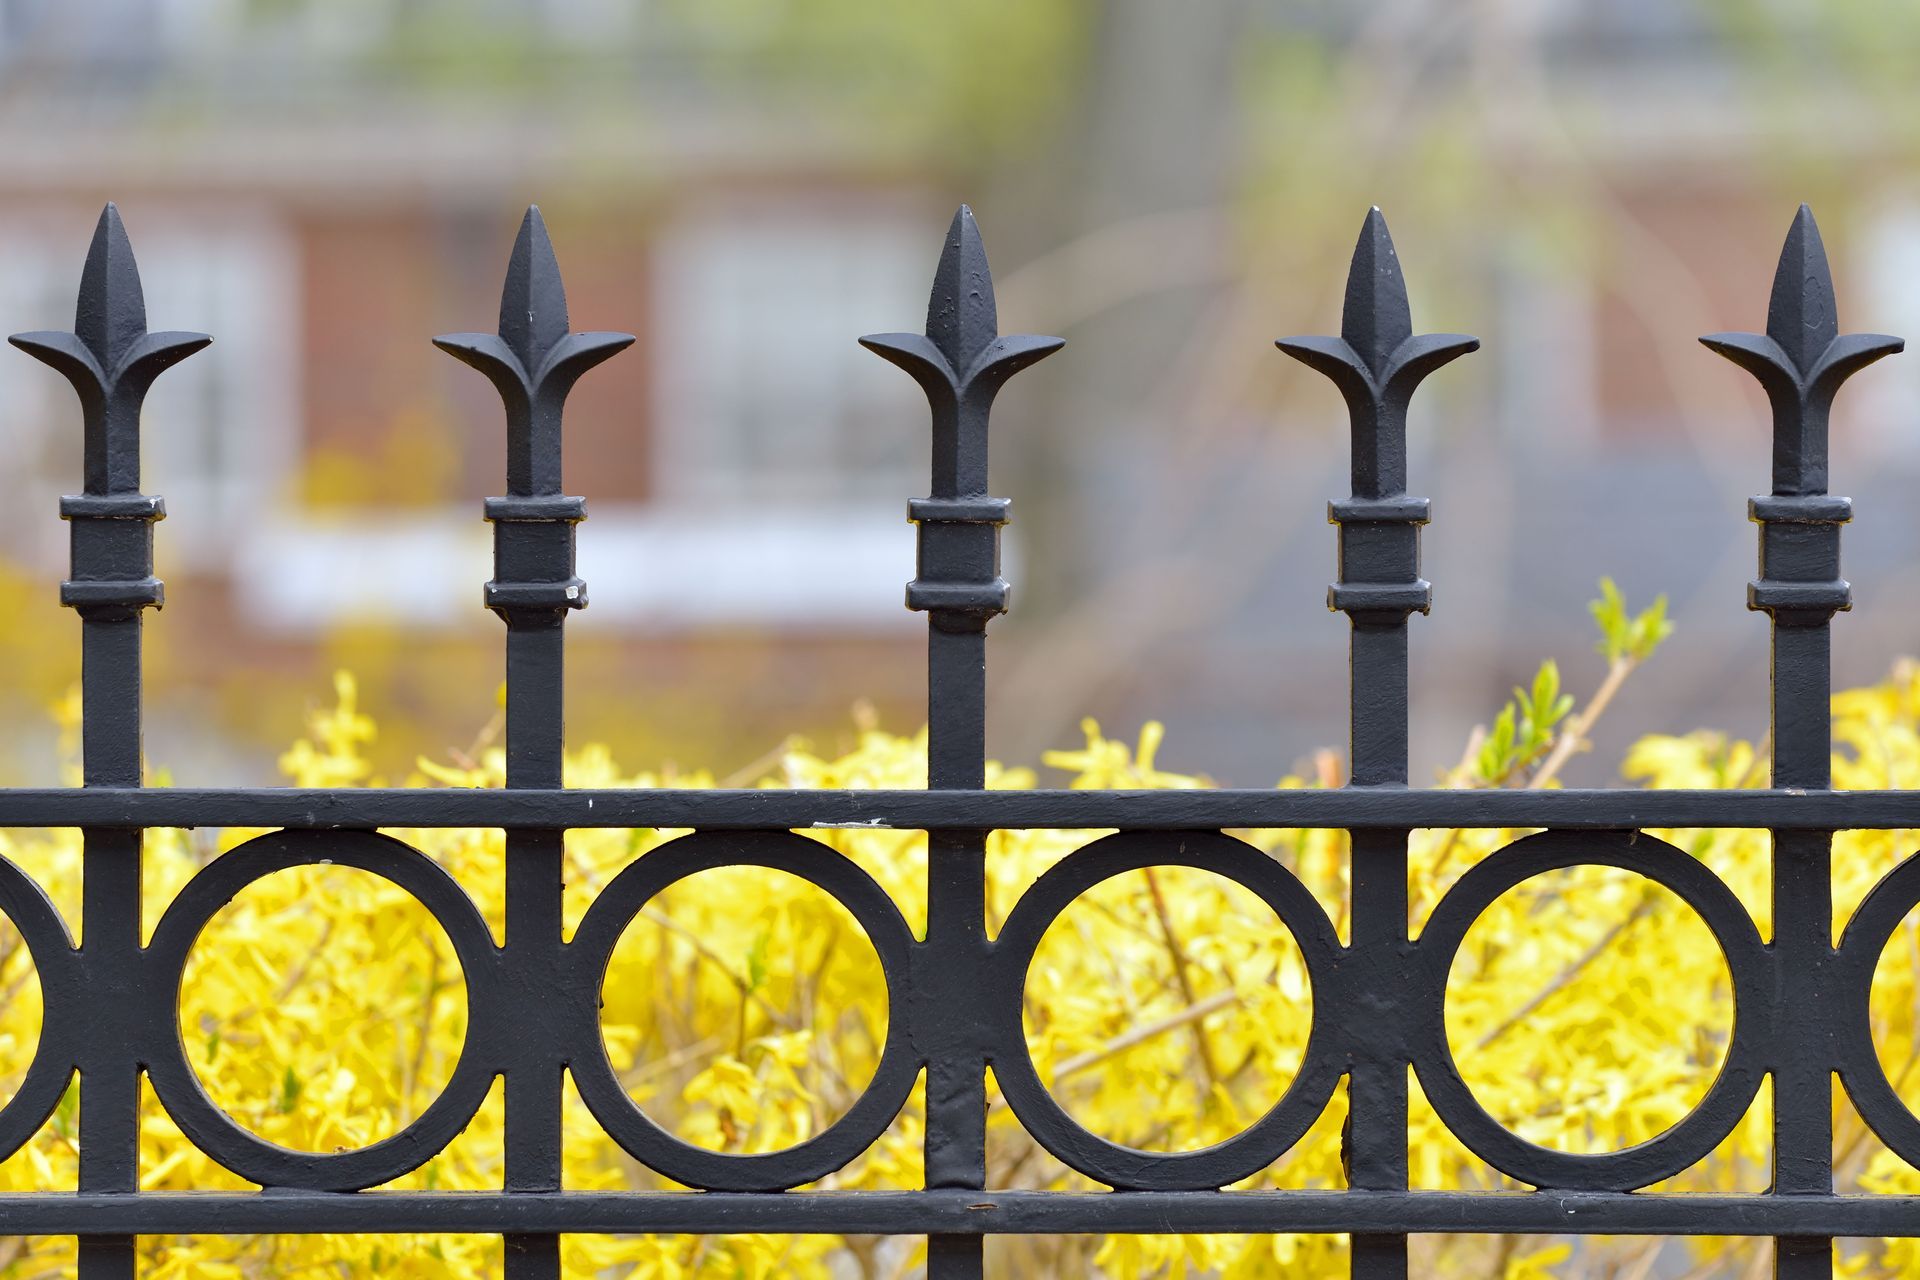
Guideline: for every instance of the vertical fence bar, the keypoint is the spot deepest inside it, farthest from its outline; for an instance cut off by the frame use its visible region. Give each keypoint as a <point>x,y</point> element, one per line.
<point>961,362</point>
<point>1800,362</point>
<point>1377,362</point>
<point>533,362</point>
<point>111,360</point>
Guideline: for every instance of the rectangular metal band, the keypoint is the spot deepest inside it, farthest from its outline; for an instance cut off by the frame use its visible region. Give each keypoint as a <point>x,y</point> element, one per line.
<point>542,508</point>
<point>967,597</point>
<point>131,592</point>
<point>1401,510</point>
<point>1771,593</point>
<point>1355,597</point>
<point>570,593</point>
<point>1813,508</point>
<point>960,510</point>
<point>112,506</point>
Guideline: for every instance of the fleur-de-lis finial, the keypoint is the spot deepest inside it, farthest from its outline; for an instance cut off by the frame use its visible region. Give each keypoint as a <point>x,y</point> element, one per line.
<point>1377,361</point>
<point>1803,358</point>
<point>961,362</point>
<point>110,358</point>
<point>533,361</point>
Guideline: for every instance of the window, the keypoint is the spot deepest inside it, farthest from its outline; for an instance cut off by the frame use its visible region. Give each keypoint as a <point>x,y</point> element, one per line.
<point>762,392</point>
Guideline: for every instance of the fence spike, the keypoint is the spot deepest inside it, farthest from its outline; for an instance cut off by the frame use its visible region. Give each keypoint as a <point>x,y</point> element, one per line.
<point>533,301</point>
<point>112,311</point>
<point>533,361</point>
<point>1801,315</point>
<point>1802,359</point>
<point>1377,362</point>
<point>109,357</point>
<point>1376,318</point>
<point>1800,362</point>
<point>961,316</point>
<point>111,360</point>
<point>961,362</point>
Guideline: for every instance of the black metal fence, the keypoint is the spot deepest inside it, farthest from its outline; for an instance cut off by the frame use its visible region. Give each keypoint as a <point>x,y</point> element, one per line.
<point>1801,1001</point>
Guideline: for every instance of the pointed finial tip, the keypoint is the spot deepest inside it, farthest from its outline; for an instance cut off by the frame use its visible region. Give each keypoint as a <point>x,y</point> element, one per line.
<point>532,223</point>
<point>1804,228</point>
<point>1374,225</point>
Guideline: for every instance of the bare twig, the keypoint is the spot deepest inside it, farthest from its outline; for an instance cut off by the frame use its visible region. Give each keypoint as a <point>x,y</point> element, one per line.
<point>1139,1035</point>
<point>1183,975</point>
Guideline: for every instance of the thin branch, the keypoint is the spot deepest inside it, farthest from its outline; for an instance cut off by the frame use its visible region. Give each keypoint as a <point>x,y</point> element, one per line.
<point>1182,974</point>
<point>1573,737</point>
<point>1139,1035</point>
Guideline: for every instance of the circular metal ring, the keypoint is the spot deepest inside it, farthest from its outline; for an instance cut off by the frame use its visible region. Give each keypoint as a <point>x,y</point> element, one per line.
<point>1861,944</point>
<point>1733,1089</point>
<point>212,1129</point>
<point>591,950</point>
<point>62,997</point>
<point>1128,1168</point>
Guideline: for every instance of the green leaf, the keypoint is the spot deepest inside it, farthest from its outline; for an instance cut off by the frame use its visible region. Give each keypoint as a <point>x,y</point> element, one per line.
<point>1628,637</point>
<point>1546,689</point>
<point>1496,753</point>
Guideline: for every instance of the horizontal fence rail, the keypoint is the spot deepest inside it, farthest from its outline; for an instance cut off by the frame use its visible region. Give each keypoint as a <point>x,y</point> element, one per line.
<point>1035,810</point>
<point>955,995</point>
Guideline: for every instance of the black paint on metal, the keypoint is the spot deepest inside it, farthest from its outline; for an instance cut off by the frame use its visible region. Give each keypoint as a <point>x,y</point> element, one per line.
<point>111,360</point>
<point>533,361</point>
<point>1377,362</point>
<point>961,362</point>
<point>954,998</point>
<point>1800,362</point>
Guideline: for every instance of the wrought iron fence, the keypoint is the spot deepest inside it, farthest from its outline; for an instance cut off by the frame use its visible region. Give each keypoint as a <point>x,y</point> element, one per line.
<point>1801,1001</point>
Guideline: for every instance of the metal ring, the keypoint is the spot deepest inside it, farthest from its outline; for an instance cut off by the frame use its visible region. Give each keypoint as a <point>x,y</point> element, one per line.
<point>1861,944</point>
<point>62,1001</point>
<point>218,1134</point>
<point>1733,1089</point>
<point>591,950</point>
<point>1128,1168</point>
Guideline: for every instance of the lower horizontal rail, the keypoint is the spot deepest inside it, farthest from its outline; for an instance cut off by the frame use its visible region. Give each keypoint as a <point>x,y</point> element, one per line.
<point>1363,807</point>
<point>960,1212</point>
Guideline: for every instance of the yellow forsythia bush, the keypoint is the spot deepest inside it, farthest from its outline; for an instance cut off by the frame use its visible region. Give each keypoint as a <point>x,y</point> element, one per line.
<point>744,1009</point>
